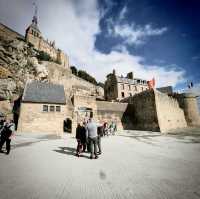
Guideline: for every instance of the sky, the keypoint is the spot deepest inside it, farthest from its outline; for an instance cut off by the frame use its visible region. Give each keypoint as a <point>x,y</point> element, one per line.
<point>152,38</point>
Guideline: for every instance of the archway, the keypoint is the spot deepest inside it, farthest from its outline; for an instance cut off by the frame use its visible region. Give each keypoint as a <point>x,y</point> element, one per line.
<point>67,125</point>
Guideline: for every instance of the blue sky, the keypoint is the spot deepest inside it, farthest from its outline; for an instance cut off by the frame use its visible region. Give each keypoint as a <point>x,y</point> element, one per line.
<point>152,38</point>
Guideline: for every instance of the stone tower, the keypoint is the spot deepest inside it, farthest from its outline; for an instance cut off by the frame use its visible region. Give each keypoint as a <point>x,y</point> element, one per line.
<point>33,34</point>
<point>188,101</point>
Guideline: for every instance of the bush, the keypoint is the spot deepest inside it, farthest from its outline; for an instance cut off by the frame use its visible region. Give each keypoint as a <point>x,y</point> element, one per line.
<point>43,56</point>
<point>74,70</point>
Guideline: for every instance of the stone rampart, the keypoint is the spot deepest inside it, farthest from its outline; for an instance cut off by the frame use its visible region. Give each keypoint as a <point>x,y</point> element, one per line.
<point>7,33</point>
<point>170,115</point>
<point>142,111</point>
<point>188,102</point>
<point>111,111</point>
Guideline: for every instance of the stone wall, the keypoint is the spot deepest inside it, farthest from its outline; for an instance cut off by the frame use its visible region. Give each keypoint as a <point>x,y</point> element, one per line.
<point>110,111</point>
<point>7,33</point>
<point>34,120</point>
<point>170,115</point>
<point>141,112</point>
<point>90,88</point>
<point>188,102</point>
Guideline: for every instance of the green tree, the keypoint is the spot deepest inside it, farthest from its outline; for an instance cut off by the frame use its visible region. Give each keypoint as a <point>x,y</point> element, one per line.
<point>74,70</point>
<point>43,56</point>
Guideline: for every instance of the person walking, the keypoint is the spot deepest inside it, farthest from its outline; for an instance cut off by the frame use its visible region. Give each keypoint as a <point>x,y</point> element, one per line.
<point>92,135</point>
<point>81,139</point>
<point>6,133</point>
<point>100,134</point>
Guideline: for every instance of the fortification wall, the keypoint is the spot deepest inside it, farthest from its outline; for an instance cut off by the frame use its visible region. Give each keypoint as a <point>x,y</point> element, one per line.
<point>46,47</point>
<point>7,33</point>
<point>142,111</point>
<point>170,115</point>
<point>188,102</point>
<point>85,85</point>
<point>110,111</point>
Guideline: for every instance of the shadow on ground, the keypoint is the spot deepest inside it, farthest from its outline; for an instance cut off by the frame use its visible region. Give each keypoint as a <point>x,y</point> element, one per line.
<point>69,151</point>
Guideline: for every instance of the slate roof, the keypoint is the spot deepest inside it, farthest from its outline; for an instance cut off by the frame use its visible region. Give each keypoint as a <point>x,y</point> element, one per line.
<point>39,92</point>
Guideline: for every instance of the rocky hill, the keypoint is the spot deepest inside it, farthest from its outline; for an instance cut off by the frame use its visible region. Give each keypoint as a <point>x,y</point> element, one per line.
<point>18,63</point>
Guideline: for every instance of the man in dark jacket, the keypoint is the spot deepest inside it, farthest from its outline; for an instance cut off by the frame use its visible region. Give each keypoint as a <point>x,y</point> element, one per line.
<point>100,134</point>
<point>6,132</point>
<point>81,138</point>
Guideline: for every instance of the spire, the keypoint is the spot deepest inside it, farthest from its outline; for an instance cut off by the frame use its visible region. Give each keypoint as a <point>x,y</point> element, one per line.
<point>35,18</point>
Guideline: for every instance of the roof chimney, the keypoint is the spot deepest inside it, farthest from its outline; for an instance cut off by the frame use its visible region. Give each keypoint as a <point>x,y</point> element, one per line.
<point>130,75</point>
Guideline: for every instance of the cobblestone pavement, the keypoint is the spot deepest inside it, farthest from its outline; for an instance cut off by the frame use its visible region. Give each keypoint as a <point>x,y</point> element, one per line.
<point>132,165</point>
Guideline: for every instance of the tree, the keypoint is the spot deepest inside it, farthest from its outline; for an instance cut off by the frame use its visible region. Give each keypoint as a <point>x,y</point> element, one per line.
<point>74,70</point>
<point>43,56</point>
<point>101,84</point>
<point>84,75</point>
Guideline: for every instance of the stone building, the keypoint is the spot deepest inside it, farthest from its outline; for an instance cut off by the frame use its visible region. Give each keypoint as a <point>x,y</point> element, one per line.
<point>44,107</point>
<point>34,36</point>
<point>118,88</point>
<point>7,33</point>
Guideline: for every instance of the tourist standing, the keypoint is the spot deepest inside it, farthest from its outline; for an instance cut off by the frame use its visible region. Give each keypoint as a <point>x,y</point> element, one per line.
<point>92,135</point>
<point>113,128</point>
<point>6,133</point>
<point>100,134</point>
<point>81,138</point>
<point>105,129</point>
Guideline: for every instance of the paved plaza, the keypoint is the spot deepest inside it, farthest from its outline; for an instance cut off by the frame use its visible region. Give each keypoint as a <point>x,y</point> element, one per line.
<point>133,165</point>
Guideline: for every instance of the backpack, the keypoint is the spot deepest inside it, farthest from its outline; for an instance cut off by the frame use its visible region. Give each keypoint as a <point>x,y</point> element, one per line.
<point>6,132</point>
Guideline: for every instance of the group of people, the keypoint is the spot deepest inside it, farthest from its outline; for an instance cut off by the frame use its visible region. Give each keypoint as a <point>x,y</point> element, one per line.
<point>7,127</point>
<point>88,135</point>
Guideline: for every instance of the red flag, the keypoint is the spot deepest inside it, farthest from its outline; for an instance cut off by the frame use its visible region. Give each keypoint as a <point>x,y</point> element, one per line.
<point>151,83</point>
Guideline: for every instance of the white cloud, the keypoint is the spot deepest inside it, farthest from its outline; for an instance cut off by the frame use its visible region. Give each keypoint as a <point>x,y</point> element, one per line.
<point>133,34</point>
<point>74,24</point>
<point>123,13</point>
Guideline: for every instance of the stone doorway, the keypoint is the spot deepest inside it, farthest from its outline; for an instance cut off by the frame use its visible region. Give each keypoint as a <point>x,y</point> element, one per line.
<point>67,125</point>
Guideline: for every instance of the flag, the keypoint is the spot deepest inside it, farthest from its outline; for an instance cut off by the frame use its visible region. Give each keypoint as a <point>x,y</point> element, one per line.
<point>151,83</point>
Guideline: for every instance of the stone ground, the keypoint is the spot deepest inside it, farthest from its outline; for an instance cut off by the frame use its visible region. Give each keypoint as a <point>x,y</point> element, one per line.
<point>133,165</point>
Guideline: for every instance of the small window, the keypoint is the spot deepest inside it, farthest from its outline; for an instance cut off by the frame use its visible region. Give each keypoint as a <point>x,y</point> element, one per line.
<point>122,94</point>
<point>130,94</point>
<point>45,108</point>
<point>58,109</point>
<point>129,87</point>
<point>52,108</point>
<point>135,88</point>
<point>122,86</point>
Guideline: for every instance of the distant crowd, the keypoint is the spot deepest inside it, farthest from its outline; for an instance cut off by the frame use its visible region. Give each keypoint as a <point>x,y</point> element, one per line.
<point>89,134</point>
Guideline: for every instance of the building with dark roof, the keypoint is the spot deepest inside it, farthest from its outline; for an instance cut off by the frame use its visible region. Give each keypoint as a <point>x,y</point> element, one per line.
<point>39,92</point>
<point>44,108</point>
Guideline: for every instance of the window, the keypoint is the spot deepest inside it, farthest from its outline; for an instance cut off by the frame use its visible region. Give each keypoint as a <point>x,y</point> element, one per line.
<point>58,109</point>
<point>45,108</point>
<point>135,88</point>
<point>129,87</point>
<point>130,94</point>
<point>122,94</point>
<point>122,86</point>
<point>52,108</point>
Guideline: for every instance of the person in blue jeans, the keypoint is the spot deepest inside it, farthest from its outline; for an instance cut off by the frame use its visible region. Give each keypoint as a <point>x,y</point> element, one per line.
<point>91,129</point>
